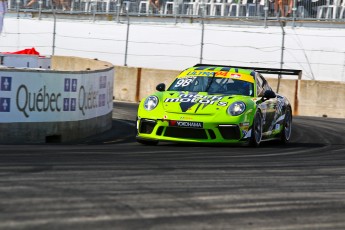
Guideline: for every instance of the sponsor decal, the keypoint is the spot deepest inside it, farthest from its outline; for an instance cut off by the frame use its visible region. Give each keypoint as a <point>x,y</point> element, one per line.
<point>66,104</point>
<point>6,86</point>
<point>74,85</point>
<point>221,74</point>
<point>200,73</point>
<point>103,82</point>
<point>44,100</point>
<point>186,118</point>
<point>68,97</point>
<point>69,104</point>
<point>70,85</point>
<point>186,124</point>
<point>5,104</point>
<point>222,103</point>
<point>67,85</point>
<point>235,75</point>
<point>6,83</point>
<point>73,104</point>
<point>101,100</point>
<point>41,101</point>
<point>202,99</point>
<point>183,82</point>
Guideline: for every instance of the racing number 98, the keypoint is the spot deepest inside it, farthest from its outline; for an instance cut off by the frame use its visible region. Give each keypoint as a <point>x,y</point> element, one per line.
<point>184,82</point>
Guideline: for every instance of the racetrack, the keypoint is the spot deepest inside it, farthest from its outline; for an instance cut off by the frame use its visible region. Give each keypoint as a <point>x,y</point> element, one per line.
<point>111,182</point>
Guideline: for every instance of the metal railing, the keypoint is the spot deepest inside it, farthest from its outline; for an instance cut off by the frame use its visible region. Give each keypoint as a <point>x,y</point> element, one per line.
<point>190,43</point>
<point>321,10</point>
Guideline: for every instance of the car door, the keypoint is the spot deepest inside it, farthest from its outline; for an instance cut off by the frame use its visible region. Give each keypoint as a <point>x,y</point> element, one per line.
<point>268,106</point>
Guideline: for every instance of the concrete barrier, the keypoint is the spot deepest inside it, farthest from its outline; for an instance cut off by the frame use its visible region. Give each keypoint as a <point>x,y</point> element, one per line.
<point>308,98</point>
<point>63,63</point>
<point>72,100</point>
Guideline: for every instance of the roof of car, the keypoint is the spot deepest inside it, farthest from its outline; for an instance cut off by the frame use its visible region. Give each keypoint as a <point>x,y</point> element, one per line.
<point>253,69</point>
<point>219,71</point>
<point>224,68</point>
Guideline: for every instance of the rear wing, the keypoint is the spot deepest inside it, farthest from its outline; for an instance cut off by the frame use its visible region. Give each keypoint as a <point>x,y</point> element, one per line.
<point>262,70</point>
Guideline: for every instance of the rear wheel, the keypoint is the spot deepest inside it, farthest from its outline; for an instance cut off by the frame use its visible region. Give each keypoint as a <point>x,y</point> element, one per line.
<point>256,136</point>
<point>287,127</point>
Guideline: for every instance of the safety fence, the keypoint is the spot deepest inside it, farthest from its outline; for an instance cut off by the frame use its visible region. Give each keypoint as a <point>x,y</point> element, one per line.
<point>321,10</point>
<point>319,52</point>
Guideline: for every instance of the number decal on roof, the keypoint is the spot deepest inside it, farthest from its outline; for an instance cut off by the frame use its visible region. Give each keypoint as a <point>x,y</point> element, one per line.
<point>183,82</point>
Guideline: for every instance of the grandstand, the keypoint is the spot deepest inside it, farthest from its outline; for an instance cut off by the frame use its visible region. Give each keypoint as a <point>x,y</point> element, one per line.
<point>320,10</point>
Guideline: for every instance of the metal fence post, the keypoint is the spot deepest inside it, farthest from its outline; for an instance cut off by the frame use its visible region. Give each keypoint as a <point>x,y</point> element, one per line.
<point>54,30</point>
<point>175,10</point>
<point>94,9</point>
<point>266,13</point>
<point>202,40</point>
<point>202,31</point>
<point>294,13</point>
<point>118,8</point>
<point>40,2</point>
<point>282,24</point>
<point>127,38</point>
<point>17,7</point>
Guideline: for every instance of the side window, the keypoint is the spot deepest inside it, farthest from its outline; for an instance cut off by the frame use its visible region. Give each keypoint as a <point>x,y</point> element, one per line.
<point>266,86</point>
<point>259,86</point>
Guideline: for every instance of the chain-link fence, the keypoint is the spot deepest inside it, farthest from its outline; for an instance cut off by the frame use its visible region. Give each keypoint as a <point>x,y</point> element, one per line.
<point>318,51</point>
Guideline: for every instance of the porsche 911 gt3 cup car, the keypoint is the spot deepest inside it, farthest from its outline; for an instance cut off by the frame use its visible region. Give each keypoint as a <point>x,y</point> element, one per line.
<point>216,104</point>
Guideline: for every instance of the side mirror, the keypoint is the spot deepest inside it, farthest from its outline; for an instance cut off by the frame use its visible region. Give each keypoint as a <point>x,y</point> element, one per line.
<point>269,94</point>
<point>160,87</point>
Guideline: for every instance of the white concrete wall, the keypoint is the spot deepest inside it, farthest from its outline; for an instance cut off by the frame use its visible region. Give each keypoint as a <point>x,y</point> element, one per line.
<point>319,52</point>
<point>307,98</point>
<point>37,104</point>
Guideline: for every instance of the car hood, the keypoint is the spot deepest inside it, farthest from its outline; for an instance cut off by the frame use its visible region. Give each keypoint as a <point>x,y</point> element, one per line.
<point>195,103</point>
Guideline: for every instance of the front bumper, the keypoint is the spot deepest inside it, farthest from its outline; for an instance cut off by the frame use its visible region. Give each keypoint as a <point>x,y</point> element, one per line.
<point>211,132</point>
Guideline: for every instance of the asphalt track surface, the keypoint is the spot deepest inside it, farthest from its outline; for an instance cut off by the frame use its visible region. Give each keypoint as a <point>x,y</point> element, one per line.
<point>112,182</point>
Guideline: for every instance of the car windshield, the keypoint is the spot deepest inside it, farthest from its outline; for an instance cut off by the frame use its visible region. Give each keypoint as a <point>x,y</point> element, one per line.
<point>213,85</point>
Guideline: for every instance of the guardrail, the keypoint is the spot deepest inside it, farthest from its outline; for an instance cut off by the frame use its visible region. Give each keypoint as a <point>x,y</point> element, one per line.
<point>321,10</point>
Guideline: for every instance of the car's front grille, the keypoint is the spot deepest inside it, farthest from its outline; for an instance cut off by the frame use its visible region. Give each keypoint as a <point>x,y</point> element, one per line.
<point>147,126</point>
<point>230,132</point>
<point>212,134</point>
<point>185,133</point>
<point>159,130</point>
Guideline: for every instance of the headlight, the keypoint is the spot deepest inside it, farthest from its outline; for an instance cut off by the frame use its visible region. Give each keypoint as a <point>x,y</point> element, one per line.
<point>151,102</point>
<point>236,108</point>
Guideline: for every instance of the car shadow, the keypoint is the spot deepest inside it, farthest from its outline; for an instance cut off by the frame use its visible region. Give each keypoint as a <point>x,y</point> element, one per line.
<point>122,131</point>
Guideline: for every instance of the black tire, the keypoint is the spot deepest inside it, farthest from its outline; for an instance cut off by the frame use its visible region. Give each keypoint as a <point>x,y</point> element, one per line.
<point>256,136</point>
<point>147,142</point>
<point>287,127</point>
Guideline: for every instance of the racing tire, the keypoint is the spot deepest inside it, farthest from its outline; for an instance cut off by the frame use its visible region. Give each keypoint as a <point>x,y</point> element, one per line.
<point>287,127</point>
<point>256,136</point>
<point>147,142</point>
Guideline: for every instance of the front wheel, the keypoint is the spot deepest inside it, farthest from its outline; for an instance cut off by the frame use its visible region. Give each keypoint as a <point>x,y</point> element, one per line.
<point>256,136</point>
<point>287,127</point>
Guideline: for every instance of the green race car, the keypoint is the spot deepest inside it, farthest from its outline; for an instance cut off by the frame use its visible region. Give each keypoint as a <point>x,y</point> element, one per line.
<point>215,104</point>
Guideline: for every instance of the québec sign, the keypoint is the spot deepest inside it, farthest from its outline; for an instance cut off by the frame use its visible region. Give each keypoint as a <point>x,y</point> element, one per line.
<point>55,98</point>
